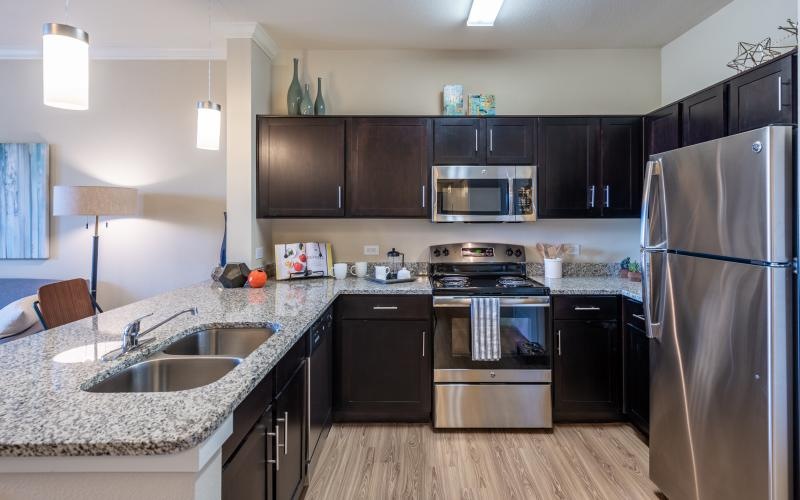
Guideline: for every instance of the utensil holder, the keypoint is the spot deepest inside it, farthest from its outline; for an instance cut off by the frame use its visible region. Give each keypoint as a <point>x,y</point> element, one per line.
<point>552,268</point>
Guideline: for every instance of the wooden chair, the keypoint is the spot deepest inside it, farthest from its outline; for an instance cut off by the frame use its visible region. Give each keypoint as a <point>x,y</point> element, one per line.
<point>64,302</point>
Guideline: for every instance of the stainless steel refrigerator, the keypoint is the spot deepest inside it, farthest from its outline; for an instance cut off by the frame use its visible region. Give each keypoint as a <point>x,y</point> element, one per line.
<point>717,258</point>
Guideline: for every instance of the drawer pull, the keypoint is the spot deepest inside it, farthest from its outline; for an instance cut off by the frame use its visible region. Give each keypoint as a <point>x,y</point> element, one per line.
<point>384,308</point>
<point>640,317</point>
<point>586,308</point>
<point>558,345</point>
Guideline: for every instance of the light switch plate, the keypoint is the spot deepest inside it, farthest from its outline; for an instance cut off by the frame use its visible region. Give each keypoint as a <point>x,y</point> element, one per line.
<point>572,249</point>
<point>259,252</point>
<point>371,249</point>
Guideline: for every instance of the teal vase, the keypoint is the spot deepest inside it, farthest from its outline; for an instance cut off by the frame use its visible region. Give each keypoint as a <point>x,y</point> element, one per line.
<point>306,106</point>
<point>295,93</point>
<point>319,103</point>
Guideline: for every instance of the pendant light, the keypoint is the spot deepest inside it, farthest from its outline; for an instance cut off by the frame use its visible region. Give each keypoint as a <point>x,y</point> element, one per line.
<point>65,65</point>
<point>209,113</point>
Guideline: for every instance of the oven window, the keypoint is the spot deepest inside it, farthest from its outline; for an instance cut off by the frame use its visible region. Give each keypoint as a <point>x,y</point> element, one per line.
<point>524,338</point>
<point>472,196</point>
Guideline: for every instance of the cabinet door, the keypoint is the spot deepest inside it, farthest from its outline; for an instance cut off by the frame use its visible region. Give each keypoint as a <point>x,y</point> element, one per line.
<point>568,167</point>
<point>637,377</point>
<point>763,96</point>
<point>290,424</point>
<point>245,476</point>
<point>622,166</point>
<point>301,164</point>
<point>389,161</point>
<point>384,371</point>
<point>511,141</point>
<point>703,116</point>
<point>459,141</point>
<point>662,130</point>
<point>587,371</point>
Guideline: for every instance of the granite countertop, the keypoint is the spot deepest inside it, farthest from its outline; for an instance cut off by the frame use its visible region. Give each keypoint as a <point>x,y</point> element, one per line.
<point>603,285</point>
<point>44,411</point>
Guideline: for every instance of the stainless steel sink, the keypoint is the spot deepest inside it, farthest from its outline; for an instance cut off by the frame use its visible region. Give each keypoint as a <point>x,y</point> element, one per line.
<point>238,342</point>
<point>167,374</point>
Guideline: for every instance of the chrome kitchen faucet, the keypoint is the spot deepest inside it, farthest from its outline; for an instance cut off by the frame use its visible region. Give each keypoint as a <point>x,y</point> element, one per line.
<point>131,334</point>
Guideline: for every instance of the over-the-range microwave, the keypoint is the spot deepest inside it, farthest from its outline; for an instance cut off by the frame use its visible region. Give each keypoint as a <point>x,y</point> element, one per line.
<point>483,193</point>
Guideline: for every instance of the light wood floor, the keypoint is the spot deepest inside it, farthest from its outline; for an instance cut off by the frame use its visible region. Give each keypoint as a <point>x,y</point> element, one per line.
<point>385,461</point>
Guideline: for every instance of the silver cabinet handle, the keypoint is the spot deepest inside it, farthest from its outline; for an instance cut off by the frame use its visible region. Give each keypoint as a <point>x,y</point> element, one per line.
<point>780,93</point>
<point>423,196</point>
<point>308,391</point>
<point>476,140</point>
<point>384,308</point>
<point>585,308</point>
<point>558,344</point>
<point>640,317</point>
<point>607,192</point>
<point>491,139</point>
<point>340,196</point>
<point>423,343</point>
<point>591,196</point>
<point>286,433</point>
<point>277,460</point>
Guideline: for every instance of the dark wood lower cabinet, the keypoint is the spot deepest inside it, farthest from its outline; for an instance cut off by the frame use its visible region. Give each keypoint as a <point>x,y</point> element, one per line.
<point>637,366</point>
<point>246,476</point>
<point>289,424</point>
<point>587,371</point>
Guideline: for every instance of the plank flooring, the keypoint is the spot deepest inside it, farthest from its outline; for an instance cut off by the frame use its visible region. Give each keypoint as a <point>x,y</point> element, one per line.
<point>411,461</point>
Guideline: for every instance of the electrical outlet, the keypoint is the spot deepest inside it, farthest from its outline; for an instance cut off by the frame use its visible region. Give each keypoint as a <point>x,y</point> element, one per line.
<point>259,252</point>
<point>572,249</point>
<point>371,249</point>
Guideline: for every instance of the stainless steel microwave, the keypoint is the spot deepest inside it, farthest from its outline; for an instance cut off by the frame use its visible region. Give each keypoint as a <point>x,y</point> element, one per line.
<point>483,193</point>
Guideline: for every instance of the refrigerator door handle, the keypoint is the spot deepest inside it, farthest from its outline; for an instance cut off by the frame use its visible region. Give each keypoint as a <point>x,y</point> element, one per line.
<point>653,285</point>
<point>653,174</point>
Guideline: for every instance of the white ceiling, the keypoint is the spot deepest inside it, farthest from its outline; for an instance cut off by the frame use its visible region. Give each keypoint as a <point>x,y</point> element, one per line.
<point>144,25</point>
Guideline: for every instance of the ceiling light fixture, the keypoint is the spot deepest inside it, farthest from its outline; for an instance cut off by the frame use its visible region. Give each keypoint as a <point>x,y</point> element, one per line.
<point>484,12</point>
<point>209,113</point>
<point>65,65</point>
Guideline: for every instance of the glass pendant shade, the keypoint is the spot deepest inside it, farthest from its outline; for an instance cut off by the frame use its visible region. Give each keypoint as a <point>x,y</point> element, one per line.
<point>209,117</point>
<point>65,56</point>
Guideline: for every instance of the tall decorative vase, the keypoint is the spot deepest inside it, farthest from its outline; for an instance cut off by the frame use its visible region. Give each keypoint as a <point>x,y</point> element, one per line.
<point>223,249</point>
<point>319,104</point>
<point>306,106</point>
<point>295,93</point>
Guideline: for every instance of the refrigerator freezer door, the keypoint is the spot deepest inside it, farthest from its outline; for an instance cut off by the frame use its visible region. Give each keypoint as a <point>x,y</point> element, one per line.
<point>719,406</point>
<point>731,197</point>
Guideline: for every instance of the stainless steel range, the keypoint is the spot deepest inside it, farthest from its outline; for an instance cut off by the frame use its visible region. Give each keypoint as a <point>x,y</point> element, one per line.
<point>510,392</point>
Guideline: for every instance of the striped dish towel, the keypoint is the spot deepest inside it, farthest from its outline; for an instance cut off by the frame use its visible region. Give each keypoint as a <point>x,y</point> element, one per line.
<point>485,319</point>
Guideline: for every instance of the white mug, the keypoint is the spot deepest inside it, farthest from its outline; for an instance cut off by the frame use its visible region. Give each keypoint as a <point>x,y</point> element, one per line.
<point>381,272</point>
<point>340,270</point>
<point>359,269</point>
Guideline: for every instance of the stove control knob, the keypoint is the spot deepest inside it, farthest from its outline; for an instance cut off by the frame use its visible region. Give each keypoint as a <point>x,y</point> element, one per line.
<point>509,252</point>
<point>518,253</point>
<point>437,252</point>
<point>445,252</point>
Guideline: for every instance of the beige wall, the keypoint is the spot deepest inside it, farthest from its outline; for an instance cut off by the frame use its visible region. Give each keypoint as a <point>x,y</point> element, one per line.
<point>139,132</point>
<point>601,240</point>
<point>698,58</point>
<point>523,81</point>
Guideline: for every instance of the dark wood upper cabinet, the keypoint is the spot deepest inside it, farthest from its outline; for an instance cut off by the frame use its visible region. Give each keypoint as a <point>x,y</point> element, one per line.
<point>662,130</point>
<point>459,141</point>
<point>388,167</point>
<point>301,166</point>
<point>511,141</point>
<point>621,166</point>
<point>568,167</point>
<point>703,116</point>
<point>763,96</point>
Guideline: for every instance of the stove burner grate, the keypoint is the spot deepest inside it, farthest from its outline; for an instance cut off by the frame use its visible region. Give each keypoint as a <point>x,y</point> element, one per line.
<point>454,281</point>
<point>511,281</point>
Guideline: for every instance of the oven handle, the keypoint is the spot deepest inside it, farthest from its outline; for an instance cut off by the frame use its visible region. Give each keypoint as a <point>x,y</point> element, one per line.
<point>439,302</point>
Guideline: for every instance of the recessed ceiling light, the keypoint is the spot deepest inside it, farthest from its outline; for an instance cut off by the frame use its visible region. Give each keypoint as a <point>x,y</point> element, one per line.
<point>484,12</point>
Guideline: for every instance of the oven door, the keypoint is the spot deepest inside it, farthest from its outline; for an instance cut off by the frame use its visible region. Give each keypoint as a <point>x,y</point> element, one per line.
<point>526,352</point>
<point>472,194</point>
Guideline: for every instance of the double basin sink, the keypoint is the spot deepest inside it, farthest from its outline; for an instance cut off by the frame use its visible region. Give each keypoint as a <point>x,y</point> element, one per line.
<point>195,360</point>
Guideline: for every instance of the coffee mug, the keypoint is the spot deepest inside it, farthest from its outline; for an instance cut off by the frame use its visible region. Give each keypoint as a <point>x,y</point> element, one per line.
<point>381,272</point>
<point>340,270</point>
<point>359,269</point>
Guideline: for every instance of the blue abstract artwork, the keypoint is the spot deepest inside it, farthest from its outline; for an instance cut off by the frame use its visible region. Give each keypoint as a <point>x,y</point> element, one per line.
<point>24,201</point>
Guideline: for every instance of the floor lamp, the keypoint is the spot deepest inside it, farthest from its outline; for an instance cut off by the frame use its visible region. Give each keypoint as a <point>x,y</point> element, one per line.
<point>94,201</point>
